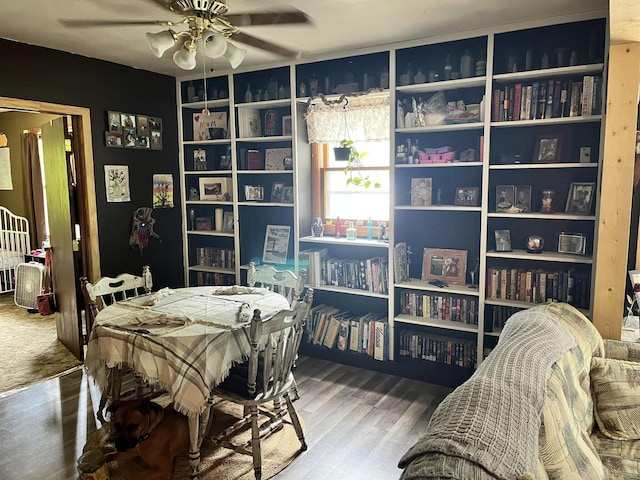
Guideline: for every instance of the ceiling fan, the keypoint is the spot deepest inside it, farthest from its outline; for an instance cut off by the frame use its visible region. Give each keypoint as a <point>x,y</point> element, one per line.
<point>209,26</point>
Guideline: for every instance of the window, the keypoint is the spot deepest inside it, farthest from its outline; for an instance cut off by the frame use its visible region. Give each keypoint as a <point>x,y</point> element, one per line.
<point>356,202</point>
<point>364,119</point>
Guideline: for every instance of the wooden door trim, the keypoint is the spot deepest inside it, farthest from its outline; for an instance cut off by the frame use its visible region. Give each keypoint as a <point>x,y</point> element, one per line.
<point>85,178</point>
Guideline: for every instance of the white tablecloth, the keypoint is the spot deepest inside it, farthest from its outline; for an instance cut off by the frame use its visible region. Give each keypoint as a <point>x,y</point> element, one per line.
<point>186,339</point>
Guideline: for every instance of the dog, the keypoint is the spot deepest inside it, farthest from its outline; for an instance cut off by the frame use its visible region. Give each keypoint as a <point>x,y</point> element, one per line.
<point>144,429</point>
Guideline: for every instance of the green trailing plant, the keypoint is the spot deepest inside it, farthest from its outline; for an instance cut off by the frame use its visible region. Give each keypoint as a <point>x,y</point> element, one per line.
<point>354,163</point>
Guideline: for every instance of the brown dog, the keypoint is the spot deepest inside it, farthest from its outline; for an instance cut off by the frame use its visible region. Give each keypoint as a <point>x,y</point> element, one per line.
<point>144,429</point>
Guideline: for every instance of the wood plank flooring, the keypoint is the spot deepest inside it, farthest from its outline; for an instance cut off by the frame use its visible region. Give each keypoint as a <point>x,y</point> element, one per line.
<point>358,423</point>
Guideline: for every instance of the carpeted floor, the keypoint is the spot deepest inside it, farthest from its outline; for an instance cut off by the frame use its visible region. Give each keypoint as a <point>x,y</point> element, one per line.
<point>30,351</point>
<point>217,463</point>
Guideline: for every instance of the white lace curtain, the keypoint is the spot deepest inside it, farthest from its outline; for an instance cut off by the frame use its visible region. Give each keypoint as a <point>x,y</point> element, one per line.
<point>365,118</point>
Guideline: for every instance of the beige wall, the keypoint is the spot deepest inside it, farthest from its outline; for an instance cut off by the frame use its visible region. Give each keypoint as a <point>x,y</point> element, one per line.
<point>13,124</point>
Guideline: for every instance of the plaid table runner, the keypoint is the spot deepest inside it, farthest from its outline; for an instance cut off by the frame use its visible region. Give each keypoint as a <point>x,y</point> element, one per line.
<point>186,339</point>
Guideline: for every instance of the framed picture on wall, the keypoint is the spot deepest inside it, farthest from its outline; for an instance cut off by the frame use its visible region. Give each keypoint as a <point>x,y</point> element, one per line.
<point>114,122</point>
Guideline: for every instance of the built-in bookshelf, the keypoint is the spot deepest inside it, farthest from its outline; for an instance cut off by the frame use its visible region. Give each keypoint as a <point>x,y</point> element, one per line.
<point>496,142</point>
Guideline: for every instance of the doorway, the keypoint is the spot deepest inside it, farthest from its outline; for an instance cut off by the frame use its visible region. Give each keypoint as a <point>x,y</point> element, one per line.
<point>64,270</point>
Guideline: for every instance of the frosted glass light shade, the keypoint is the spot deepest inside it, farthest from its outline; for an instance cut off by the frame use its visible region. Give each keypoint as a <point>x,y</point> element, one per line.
<point>234,55</point>
<point>185,59</point>
<point>214,45</point>
<point>160,42</point>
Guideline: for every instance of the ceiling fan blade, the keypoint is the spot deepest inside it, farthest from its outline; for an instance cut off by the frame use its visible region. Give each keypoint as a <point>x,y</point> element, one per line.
<point>264,45</point>
<point>108,23</point>
<point>268,18</point>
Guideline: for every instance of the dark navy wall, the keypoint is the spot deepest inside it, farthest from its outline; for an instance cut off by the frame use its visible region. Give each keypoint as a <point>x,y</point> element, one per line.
<point>35,73</point>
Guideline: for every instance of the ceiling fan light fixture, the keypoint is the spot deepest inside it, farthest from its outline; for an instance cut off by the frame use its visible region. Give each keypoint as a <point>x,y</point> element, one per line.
<point>234,55</point>
<point>185,58</point>
<point>161,42</point>
<point>214,44</point>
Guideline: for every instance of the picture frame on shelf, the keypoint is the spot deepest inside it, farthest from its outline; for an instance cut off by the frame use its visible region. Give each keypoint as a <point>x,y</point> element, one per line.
<point>228,222</point>
<point>114,122</point>
<point>580,198</point>
<point>204,224</point>
<point>548,148</point>
<point>199,159</point>
<point>523,198</point>
<point>505,197</point>
<point>253,193</point>
<point>503,240</point>
<point>421,191</point>
<point>276,192</point>
<point>446,265</point>
<point>286,125</point>
<point>215,188</point>
<point>287,195</point>
<point>113,140</point>
<point>634,277</point>
<point>467,196</point>
<point>573,243</point>
<point>274,158</point>
<point>276,244</point>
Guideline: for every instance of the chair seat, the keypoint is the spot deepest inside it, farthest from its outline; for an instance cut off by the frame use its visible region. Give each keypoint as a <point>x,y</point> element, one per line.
<point>235,388</point>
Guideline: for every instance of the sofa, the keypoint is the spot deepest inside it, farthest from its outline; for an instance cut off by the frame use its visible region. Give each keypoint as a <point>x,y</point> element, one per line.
<point>551,401</point>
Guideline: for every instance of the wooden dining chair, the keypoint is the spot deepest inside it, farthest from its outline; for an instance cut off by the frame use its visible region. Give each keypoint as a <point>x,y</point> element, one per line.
<point>106,291</point>
<point>266,377</point>
<point>285,282</point>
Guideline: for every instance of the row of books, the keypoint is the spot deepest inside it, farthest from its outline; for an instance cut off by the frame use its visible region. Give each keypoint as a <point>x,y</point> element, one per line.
<point>539,286</point>
<point>440,307</point>
<point>335,328</point>
<point>500,314</point>
<point>548,99</point>
<point>213,278</point>
<point>435,348</point>
<point>370,274</point>
<point>215,257</point>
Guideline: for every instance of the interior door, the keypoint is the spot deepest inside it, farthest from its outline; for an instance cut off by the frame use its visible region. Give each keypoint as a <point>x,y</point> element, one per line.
<point>58,177</point>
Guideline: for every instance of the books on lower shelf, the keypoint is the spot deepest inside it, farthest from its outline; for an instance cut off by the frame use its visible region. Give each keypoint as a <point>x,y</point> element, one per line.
<point>440,307</point>
<point>215,257</point>
<point>332,327</point>
<point>370,274</point>
<point>215,278</point>
<point>435,348</point>
<point>539,286</point>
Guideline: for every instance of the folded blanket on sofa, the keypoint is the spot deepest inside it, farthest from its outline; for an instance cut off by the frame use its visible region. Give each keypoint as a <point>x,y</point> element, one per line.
<point>488,427</point>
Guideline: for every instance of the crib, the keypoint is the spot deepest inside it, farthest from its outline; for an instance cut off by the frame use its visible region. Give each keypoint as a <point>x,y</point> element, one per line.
<point>14,245</point>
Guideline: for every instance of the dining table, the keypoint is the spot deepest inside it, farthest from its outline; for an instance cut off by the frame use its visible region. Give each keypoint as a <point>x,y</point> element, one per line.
<point>185,340</point>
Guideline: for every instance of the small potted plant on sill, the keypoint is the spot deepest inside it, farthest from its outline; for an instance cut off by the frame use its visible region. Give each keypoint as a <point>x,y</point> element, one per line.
<point>354,162</point>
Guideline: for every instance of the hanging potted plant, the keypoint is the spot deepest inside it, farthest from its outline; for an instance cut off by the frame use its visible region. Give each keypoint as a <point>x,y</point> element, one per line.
<point>352,170</point>
<point>343,150</point>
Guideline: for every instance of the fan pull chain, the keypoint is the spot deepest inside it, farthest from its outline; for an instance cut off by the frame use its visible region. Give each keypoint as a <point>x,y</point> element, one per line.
<point>205,110</point>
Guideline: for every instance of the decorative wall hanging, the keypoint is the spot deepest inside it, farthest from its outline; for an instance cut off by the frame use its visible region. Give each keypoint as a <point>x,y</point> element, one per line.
<point>162,190</point>
<point>116,178</point>
<point>133,131</point>
<point>142,228</point>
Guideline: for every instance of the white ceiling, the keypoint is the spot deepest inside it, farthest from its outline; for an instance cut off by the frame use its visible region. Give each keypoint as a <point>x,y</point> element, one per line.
<point>337,25</point>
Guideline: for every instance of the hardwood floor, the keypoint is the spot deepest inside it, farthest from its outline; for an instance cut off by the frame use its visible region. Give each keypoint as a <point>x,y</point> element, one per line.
<point>358,423</point>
